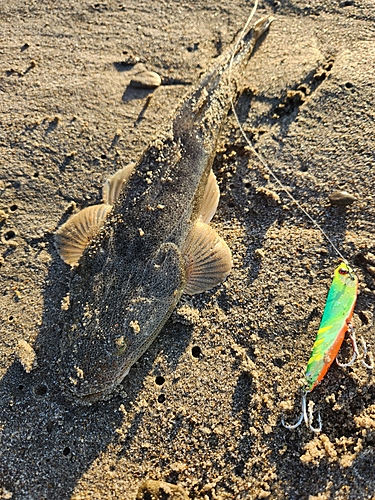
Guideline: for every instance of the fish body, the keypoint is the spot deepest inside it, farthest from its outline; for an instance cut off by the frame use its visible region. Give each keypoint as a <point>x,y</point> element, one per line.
<point>337,315</point>
<point>153,244</point>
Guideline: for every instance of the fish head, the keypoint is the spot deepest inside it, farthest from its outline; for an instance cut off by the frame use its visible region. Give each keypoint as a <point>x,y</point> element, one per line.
<point>112,321</point>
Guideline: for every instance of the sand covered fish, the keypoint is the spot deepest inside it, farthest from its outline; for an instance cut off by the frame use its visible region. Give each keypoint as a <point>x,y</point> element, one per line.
<point>150,240</point>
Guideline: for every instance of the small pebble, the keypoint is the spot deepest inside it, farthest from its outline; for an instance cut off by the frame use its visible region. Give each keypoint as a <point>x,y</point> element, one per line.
<point>131,59</point>
<point>341,198</point>
<point>145,80</point>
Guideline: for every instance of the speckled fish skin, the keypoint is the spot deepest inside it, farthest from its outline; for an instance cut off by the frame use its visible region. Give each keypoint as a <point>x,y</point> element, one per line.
<point>337,314</point>
<point>132,274</point>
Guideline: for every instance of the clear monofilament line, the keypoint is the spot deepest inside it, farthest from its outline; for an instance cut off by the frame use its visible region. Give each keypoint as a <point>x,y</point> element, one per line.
<point>263,162</point>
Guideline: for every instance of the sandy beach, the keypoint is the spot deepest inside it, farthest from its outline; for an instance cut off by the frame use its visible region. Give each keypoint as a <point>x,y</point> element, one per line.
<point>199,415</point>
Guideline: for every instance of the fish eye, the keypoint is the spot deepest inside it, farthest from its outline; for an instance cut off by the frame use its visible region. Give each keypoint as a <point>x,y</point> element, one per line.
<point>121,345</point>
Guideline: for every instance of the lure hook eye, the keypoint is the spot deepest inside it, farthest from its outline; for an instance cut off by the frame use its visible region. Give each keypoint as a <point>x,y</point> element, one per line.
<point>348,270</point>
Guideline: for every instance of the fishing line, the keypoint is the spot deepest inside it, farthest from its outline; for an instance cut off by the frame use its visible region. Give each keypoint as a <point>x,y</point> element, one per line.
<point>260,158</point>
<point>334,323</point>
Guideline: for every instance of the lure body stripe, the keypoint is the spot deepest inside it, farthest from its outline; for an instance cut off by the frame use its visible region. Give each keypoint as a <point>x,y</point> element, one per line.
<point>337,314</point>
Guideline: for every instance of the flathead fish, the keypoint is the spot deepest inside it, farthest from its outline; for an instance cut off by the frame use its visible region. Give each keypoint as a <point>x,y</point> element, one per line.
<point>150,240</point>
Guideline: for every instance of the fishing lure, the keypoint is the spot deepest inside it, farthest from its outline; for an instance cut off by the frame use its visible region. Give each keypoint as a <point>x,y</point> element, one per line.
<point>338,312</point>
<point>336,321</point>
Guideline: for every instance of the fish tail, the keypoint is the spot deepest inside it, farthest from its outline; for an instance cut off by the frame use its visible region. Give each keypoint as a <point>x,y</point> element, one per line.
<point>246,42</point>
<point>208,103</point>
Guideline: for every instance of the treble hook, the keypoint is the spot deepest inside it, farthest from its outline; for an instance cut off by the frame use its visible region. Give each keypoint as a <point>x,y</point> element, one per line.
<point>306,415</point>
<point>356,353</point>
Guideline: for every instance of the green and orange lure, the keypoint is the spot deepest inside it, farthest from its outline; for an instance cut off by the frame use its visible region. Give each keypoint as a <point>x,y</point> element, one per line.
<point>338,312</point>
<point>337,317</point>
<point>336,321</point>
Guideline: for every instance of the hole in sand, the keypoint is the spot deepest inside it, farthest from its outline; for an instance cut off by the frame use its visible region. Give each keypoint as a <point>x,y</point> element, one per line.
<point>196,351</point>
<point>161,398</point>
<point>9,235</point>
<point>159,380</point>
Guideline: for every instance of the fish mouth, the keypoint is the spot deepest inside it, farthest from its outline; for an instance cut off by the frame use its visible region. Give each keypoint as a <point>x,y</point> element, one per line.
<point>86,395</point>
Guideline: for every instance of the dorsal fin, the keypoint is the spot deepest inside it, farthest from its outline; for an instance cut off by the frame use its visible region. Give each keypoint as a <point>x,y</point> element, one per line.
<point>210,199</point>
<point>72,237</point>
<point>112,186</point>
<point>208,259</point>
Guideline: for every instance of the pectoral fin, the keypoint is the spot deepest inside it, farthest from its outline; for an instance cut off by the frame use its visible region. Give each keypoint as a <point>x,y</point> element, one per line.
<point>210,199</point>
<point>72,237</point>
<point>208,259</point>
<point>112,186</point>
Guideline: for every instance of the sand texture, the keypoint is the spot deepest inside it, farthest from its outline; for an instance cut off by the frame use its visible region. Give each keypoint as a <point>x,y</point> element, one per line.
<point>199,415</point>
